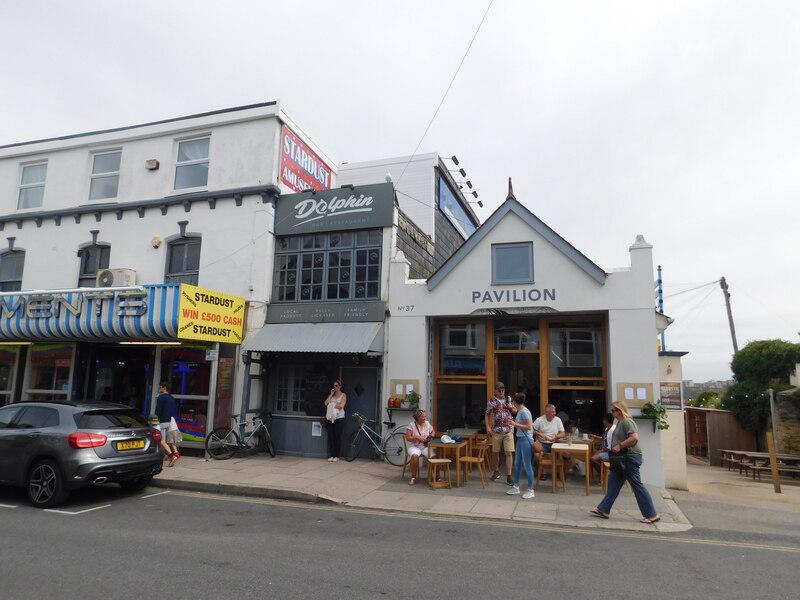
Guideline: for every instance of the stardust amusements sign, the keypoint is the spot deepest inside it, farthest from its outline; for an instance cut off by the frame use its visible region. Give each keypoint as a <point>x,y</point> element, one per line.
<point>348,207</point>
<point>301,168</point>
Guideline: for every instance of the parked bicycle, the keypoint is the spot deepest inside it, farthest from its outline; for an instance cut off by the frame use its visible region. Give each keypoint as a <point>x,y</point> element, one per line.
<point>224,442</point>
<point>391,446</point>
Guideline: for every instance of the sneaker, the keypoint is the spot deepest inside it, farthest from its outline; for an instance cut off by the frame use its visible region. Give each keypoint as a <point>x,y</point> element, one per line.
<point>495,475</point>
<point>529,493</point>
<point>510,480</point>
<point>514,490</point>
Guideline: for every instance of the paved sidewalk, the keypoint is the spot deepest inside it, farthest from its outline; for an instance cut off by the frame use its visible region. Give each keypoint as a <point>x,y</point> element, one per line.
<point>378,485</point>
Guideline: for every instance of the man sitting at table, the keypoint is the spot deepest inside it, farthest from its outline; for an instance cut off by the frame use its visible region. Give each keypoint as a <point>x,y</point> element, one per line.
<point>547,429</point>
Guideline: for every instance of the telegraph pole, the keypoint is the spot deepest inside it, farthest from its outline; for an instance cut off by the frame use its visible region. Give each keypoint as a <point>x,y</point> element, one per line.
<point>724,285</point>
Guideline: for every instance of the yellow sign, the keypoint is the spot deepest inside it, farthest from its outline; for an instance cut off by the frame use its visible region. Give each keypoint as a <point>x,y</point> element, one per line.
<point>208,315</point>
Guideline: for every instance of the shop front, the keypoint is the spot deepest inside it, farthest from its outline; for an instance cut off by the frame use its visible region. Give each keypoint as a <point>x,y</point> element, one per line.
<point>519,304</point>
<point>117,344</point>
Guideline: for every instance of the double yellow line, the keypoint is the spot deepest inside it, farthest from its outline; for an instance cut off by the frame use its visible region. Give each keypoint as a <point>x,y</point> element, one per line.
<point>656,537</point>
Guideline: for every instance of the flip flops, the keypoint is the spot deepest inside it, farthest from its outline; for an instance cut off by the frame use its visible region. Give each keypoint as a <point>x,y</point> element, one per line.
<point>598,513</point>
<point>651,520</point>
<point>172,458</point>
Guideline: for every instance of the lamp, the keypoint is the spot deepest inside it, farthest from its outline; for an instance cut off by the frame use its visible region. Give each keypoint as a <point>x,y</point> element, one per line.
<point>669,369</point>
<point>462,171</point>
<point>453,158</point>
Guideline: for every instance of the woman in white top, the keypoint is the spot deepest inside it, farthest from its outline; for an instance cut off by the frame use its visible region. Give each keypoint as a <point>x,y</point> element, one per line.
<point>334,419</point>
<point>418,434</point>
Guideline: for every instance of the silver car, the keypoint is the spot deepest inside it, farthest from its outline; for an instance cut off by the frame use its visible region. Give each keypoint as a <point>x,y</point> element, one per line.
<point>52,448</point>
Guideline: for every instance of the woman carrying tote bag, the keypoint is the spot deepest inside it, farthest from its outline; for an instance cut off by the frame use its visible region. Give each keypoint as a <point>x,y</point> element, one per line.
<point>625,441</point>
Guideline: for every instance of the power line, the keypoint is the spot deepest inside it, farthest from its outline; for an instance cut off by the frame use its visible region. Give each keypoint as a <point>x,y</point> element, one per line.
<point>447,91</point>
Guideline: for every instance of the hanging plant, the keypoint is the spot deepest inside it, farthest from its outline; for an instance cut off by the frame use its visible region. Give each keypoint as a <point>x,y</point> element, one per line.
<point>656,412</point>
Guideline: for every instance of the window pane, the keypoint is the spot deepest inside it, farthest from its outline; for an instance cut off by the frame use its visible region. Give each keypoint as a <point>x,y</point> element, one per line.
<point>33,174</point>
<point>462,349</point>
<point>512,263</point>
<point>576,353</point>
<point>104,187</point>
<point>32,197</point>
<point>188,176</point>
<point>106,163</point>
<point>193,150</point>
<point>193,255</point>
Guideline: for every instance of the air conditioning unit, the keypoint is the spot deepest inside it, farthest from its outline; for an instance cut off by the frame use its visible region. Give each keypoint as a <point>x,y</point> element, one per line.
<point>115,277</point>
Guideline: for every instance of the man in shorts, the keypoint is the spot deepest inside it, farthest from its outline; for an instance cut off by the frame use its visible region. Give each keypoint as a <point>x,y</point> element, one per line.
<point>498,425</point>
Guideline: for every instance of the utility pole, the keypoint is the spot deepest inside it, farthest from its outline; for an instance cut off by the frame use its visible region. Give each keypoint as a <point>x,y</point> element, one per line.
<point>724,285</point>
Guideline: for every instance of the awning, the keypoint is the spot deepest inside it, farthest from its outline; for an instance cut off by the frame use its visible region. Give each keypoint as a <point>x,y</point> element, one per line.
<point>355,338</point>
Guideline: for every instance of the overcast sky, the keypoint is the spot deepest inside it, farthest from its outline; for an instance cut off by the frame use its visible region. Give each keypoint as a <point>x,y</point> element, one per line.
<point>676,120</point>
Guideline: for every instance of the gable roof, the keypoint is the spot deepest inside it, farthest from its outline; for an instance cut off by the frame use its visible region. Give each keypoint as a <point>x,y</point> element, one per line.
<point>512,205</point>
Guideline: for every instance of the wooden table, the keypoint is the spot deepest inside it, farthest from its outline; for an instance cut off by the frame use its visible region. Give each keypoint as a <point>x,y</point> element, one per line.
<point>457,450</point>
<point>582,450</point>
<point>748,460</point>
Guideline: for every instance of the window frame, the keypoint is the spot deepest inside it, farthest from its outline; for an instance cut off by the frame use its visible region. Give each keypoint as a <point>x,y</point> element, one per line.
<point>96,176</point>
<point>330,265</point>
<point>524,246</point>
<point>179,164</point>
<point>24,187</point>
<point>103,261</point>
<point>8,284</point>
<point>190,276</point>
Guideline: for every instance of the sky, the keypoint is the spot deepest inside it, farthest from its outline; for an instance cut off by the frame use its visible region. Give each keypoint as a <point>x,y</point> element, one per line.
<point>675,120</point>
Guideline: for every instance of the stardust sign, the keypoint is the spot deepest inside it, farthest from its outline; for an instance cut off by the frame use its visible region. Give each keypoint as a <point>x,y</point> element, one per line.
<point>345,208</point>
<point>211,316</point>
<point>301,168</point>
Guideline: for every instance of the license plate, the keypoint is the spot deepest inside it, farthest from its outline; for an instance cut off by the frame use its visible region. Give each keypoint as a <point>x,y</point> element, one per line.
<point>132,445</point>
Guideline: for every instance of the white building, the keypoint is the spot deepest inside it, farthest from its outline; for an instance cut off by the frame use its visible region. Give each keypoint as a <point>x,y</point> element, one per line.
<point>519,304</point>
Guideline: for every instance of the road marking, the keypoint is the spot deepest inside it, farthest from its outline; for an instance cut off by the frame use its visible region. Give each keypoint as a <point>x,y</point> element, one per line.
<point>77,512</point>
<point>8,506</point>
<point>154,495</point>
<point>656,537</point>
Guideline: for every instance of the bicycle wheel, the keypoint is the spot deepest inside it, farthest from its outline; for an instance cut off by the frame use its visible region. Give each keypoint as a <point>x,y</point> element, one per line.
<point>395,451</point>
<point>269,445</point>
<point>354,445</point>
<point>222,443</point>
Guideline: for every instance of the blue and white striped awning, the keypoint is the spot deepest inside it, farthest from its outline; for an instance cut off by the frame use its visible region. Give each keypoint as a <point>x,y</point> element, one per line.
<point>140,313</point>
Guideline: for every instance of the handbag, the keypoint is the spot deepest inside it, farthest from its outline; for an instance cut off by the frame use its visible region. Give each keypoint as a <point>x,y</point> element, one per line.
<point>173,426</point>
<point>616,461</point>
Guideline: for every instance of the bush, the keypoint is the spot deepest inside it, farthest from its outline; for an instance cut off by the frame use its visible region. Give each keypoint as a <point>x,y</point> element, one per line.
<point>749,404</point>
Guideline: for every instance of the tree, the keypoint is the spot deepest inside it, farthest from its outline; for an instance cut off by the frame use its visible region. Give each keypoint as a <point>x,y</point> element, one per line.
<point>749,403</point>
<point>708,399</point>
<point>763,361</point>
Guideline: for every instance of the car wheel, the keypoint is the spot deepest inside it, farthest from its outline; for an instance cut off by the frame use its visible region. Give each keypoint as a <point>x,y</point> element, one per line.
<point>46,485</point>
<point>136,484</point>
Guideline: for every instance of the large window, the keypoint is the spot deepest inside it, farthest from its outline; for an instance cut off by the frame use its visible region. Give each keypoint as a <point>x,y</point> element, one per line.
<point>9,356</point>
<point>341,265</point>
<point>12,264</point>
<point>512,263</point>
<point>49,372</point>
<point>92,259</point>
<point>191,169</point>
<point>105,176</point>
<point>183,261</point>
<point>290,391</point>
<point>31,186</point>
<point>576,351</point>
<point>462,349</point>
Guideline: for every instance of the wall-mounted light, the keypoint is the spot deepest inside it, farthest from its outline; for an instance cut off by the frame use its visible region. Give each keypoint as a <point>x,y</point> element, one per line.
<point>152,164</point>
<point>669,369</point>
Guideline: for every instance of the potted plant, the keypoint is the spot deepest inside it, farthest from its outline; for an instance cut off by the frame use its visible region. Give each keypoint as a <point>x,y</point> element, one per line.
<point>656,412</point>
<point>413,399</point>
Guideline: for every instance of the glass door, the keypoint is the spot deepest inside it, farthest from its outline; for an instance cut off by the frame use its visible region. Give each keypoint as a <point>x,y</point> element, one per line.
<point>520,372</point>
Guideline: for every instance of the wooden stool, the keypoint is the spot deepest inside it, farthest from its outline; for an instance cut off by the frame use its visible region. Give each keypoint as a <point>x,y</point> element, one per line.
<point>439,467</point>
<point>466,462</point>
<point>605,469</point>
